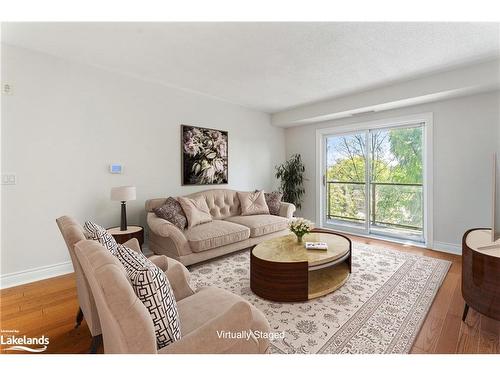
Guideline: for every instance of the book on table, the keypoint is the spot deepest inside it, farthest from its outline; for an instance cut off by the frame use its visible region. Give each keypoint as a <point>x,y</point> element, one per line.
<point>316,246</point>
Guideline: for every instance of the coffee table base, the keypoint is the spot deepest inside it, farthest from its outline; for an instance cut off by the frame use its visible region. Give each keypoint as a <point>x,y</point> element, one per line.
<point>327,280</point>
<point>293,281</point>
<point>282,282</point>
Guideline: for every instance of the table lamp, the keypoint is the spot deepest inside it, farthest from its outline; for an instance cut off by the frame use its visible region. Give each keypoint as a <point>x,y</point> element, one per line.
<point>123,194</point>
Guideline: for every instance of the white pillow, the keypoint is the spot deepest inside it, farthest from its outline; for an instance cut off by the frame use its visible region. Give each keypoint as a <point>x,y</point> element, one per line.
<point>196,210</point>
<point>153,289</point>
<point>253,203</point>
<point>97,233</point>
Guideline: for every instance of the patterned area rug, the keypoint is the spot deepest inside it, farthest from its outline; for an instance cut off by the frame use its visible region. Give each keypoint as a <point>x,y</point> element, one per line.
<point>380,309</point>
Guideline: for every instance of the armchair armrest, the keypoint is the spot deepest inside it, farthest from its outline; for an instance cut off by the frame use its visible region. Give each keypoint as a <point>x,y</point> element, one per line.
<point>161,261</point>
<point>205,339</point>
<point>287,209</point>
<point>178,276</point>
<point>133,244</point>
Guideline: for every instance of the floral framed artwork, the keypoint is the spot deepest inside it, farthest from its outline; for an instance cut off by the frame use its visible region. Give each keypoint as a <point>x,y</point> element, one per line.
<point>204,156</point>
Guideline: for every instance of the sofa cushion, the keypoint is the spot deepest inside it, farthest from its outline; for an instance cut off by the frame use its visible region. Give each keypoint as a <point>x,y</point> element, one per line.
<point>215,234</point>
<point>172,212</point>
<point>260,224</point>
<point>153,288</point>
<point>253,203</point>
<point>196,210</point>
<point>207,304</point>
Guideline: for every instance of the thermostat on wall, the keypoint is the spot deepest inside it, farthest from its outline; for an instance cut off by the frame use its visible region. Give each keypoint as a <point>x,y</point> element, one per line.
<point>116,168</point>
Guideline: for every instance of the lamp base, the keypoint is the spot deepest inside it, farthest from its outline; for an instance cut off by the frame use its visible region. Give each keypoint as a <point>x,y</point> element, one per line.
<point>123,222</point>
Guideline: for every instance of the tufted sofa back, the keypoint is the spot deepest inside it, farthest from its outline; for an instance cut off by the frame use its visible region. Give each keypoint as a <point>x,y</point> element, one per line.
<point>222,203</point>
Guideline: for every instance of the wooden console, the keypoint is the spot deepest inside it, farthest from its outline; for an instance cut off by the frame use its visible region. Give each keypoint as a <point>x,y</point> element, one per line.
<point>480,273</point>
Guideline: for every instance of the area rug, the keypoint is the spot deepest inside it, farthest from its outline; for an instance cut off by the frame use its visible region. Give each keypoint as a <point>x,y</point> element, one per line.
<point>380,309</point>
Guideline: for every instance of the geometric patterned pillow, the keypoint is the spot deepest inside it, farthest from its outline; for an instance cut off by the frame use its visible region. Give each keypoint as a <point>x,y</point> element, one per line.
<point>97,233</point>
<point>153,289</point>
<point>273,201</point>
<point>172,212</point>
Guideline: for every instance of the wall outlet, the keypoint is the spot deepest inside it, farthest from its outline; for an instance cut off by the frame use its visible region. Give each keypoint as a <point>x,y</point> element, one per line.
<point>7,89</point>
<point>9,179</point>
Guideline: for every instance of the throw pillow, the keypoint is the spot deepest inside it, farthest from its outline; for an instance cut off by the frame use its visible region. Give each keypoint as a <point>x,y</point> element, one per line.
<point>196,210</point>
<point>97,233</point>
<point>172,212</point>
<point>253,203</point>
<point>273,201</point>
<point>153,289</point>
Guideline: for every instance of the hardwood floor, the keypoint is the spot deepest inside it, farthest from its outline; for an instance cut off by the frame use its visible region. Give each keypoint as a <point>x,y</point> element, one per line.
<point>49,307</point>
<point>46,307</point>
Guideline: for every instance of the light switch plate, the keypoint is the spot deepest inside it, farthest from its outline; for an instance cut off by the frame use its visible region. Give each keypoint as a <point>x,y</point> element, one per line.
<point>9,179</point>
<point>7,89</point>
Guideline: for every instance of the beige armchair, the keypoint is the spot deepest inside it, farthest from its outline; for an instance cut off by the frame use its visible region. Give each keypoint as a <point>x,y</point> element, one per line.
<point>127,326</point>
<point>73,232</point>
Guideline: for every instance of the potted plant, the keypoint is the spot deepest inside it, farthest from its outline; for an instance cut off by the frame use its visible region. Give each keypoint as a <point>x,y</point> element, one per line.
<point>291,175</point>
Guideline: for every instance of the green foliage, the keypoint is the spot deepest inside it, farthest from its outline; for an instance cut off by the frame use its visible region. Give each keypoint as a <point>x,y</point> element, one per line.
<point>395,157</point>
<point>406,145</point>
<point>291,176</point>
<point>347,200</point>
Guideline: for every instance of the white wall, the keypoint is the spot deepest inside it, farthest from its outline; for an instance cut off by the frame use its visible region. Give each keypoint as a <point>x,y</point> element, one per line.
<point>64,125</point>
<point>466,132</point>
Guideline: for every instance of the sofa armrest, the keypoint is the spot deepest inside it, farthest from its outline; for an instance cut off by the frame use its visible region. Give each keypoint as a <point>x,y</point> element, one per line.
<point>163,229</point>
<point>287,209</point>
<point>178,276</point>
<point>133,244</point>
<point>205,339</point>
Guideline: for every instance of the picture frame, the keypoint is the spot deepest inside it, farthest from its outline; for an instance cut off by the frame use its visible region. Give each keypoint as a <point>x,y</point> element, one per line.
<point>204,156</point>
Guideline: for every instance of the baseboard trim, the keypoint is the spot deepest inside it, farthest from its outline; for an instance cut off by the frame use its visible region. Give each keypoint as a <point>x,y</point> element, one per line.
<point>35,274</point>
<point>446,247</point>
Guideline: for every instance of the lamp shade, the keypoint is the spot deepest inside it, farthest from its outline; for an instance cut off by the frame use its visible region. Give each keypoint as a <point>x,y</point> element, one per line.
<point>123,193</point>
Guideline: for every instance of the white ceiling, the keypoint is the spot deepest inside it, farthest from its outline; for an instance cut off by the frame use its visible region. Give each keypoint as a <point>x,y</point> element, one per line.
<point>264,66</point>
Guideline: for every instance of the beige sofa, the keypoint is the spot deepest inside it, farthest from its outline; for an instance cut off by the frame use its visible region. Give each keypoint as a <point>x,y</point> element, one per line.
<point>228,232</point>
<point>127,326</point>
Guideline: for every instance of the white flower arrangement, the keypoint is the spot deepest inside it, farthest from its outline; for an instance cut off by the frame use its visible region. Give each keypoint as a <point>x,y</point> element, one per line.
<point>300,226</point>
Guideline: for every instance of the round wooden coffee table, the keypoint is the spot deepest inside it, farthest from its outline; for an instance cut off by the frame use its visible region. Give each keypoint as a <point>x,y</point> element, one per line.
<point>283,270</point>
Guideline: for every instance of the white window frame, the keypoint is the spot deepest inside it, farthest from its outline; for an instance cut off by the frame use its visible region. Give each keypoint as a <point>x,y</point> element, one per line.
<point>427,120</point>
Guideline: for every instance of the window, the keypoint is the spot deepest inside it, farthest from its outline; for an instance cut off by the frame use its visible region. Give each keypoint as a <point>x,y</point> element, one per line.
<point>373,179</point>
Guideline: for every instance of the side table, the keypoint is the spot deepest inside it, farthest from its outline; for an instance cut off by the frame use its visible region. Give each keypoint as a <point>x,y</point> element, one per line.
<point>133,231</point>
